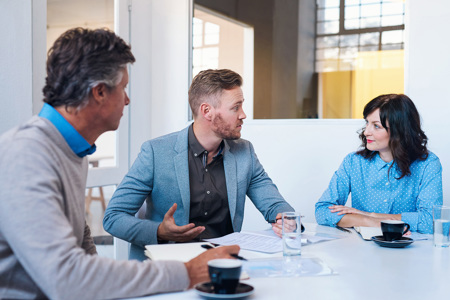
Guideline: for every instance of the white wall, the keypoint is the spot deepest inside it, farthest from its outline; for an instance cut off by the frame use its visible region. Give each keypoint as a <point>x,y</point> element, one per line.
<point>15,61</point>
<point>159,79</point>
<point>22,71</point>
<point>428,74</point>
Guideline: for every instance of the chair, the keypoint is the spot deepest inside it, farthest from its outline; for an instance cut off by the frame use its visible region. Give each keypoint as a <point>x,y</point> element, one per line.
<point>100,198</point>
<point>89,197</point>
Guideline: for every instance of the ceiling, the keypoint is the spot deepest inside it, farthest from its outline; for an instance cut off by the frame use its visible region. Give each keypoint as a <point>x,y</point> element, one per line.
<point>70,13</point>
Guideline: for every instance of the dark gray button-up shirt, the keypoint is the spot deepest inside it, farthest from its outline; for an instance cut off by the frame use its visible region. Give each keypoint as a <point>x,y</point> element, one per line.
<point>208,191</point>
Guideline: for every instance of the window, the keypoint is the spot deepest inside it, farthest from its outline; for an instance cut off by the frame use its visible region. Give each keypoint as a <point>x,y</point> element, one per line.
<point>206,36</point>
<point>319,58</point>
<point>359,53</point>
<point>221,42</point>
<point>348,27</point>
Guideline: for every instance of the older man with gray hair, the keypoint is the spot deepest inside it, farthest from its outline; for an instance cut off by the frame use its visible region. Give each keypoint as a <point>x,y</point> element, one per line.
<point>46,249</point>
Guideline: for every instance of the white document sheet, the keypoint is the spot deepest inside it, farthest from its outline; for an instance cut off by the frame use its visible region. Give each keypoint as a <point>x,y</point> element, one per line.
<point>262,241</point>
<point>251,241</point>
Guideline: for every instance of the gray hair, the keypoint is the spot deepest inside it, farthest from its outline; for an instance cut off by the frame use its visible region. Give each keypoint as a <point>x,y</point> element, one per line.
<point>81,59</point>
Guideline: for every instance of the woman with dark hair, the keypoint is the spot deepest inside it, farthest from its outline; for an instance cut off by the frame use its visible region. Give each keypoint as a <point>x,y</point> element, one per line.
<point>392,177</point>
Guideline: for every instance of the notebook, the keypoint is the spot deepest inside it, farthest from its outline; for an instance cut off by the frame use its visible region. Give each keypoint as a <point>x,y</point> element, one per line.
<point>368,232</point>
<point>182,251</point>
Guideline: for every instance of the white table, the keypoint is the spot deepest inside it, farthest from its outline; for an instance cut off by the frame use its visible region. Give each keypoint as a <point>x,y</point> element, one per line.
<point>365,271</point>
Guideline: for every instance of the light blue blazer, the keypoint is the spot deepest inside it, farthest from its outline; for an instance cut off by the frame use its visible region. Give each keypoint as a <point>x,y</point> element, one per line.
<point>160,176</point>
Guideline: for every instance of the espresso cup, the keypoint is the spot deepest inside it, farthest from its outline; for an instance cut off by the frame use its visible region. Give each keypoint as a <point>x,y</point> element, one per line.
<point>393,229</point>
<point>224,274</point>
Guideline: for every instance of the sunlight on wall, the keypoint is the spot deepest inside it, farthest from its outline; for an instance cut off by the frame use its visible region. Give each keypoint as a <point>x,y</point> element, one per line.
<point>337,95</point>
<point>346,92</point>
<point>376,73</point>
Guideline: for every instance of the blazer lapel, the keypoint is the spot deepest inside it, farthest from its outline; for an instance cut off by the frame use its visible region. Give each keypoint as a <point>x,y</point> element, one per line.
<point>229,164</point>
<point>181,162</point>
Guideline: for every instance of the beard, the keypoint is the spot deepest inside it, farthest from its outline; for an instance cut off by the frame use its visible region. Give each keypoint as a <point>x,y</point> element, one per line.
<point>224,130</point>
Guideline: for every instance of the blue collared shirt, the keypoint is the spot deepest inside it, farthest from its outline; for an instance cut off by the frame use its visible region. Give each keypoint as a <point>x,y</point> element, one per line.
<point>373,190</point>
<point>76,141</point>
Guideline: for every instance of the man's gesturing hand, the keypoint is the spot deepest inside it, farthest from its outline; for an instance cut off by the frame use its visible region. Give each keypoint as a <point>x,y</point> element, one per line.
<point>169,231</point>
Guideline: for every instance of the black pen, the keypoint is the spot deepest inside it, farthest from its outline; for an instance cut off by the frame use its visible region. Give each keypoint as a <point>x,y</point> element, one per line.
<point>206,246</point>
<point>238,257</point>
<point>343,229</point>
<point>274,221</point>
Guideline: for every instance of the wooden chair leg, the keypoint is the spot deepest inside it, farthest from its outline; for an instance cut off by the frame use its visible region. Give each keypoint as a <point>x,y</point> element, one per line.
<point>88,201</point>
<point>102,198</point>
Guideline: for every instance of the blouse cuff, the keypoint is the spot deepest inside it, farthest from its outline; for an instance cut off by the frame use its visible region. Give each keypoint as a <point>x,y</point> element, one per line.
<point>412,219</point>
<point>335,218</point>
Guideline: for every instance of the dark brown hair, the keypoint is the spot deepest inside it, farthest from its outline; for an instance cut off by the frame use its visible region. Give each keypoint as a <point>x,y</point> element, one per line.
<point>79,60</point>
<point>207,86</point>
<point>407,141</point>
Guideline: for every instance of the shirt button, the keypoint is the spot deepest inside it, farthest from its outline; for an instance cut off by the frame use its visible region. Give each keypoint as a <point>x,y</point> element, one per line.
<point>387,183</point>
<point>208,192</point>
<point>206,213</point>
<point>206,170</point>
<point>195,154</point>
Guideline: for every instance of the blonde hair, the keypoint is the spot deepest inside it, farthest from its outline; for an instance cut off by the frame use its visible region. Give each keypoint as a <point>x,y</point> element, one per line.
<point>207,86</point>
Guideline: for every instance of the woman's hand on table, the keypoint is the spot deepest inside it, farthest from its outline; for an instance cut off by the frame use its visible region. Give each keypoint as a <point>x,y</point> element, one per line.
<point>342,210</point>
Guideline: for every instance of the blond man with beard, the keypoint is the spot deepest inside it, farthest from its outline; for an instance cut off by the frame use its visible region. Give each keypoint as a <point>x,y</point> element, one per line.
<point>195,181</point>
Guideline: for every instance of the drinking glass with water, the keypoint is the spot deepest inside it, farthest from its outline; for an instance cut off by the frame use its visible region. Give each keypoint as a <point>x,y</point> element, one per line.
<point>291,233</point>
<point>441,225</point>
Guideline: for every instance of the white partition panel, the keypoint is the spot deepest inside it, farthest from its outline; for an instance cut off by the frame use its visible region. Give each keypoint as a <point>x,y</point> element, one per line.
<point>300,156</point>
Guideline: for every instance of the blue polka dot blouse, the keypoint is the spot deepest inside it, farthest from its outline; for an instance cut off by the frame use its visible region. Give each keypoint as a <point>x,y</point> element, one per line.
<point>372,190</point>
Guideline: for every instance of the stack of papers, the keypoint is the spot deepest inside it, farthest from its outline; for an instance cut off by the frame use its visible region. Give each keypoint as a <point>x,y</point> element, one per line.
<point>256,267</point>
<point>252,241</point>
<point>264,241</point>
<point>261,241</point>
